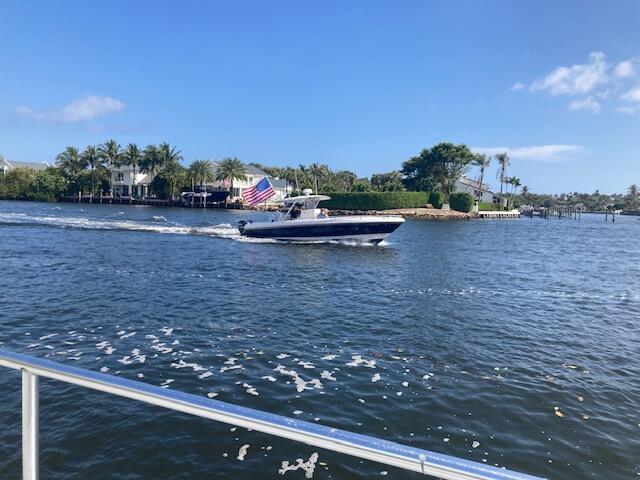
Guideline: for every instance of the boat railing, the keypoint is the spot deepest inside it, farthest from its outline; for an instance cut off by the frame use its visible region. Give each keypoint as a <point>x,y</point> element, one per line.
<point>357,445</point>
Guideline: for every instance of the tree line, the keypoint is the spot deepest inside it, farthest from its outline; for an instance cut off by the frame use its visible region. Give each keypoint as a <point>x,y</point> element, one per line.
<point>91,170</point>
<point>434,169</point>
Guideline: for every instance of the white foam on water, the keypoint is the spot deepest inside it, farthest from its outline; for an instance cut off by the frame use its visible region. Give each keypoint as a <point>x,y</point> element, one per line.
<point>182,364</point>
<point>156,225</point>
<point>301,384</point>
<point>358,360</point>
<point>232,367</point>
<point>243,451</point>
<point>309,466</point>
<point>327,375</point>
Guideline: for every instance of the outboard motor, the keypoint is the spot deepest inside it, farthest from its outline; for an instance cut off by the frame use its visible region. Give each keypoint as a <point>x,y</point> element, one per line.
<point>241,225</point>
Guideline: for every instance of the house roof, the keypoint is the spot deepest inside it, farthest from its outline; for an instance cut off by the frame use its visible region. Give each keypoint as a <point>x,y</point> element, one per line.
<point>16,164</point>
<point>474,184</point>
<point>279,182</point>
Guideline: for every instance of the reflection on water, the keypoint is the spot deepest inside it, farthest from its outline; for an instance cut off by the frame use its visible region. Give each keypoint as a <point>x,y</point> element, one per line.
<point>467,338</point>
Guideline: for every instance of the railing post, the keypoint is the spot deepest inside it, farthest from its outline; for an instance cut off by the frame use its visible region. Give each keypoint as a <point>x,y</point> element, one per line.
<point>29,426</point>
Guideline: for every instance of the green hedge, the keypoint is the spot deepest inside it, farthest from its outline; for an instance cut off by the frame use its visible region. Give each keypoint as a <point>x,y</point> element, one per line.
<point>375,200</point>
<point>487,207</point>
<point>436,199</point>
<point>462,202</point>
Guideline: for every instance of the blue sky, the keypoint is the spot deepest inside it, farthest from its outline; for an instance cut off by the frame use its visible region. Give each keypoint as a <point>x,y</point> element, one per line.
<point>357,85</point>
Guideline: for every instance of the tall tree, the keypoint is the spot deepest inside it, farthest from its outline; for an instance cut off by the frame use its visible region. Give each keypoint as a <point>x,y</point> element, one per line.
<point>231,169</point>
<point>483,162</point>
<point>151,160</point>
<point>173,175</point>
<point>111,152</point>
<point>94,160</point>
<point>419,172</point>
<point>317,171</point>
<point>503,161</point>
<point>438,167</point>
<point>72,165</point>
<point>202,171</point>
<point>131,157</point>
<point>168,154</point>
<point>387,182</point>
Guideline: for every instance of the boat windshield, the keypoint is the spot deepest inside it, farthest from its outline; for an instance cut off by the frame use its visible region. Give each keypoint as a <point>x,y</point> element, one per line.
<point>294,206</point>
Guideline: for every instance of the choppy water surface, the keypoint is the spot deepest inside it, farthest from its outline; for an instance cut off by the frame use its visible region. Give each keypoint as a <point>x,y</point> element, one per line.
<point>511,342</point>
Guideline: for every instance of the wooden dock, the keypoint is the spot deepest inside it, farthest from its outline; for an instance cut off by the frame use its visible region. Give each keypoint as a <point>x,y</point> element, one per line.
<point>156,202</point>
<point>499,214</point>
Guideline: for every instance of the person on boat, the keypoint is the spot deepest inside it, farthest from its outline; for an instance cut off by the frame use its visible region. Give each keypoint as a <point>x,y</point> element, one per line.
<point>295,211</point>
<point>324,213</point>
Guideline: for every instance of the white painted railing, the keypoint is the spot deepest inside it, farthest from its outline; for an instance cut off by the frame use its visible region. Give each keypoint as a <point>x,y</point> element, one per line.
<point>361,446</point>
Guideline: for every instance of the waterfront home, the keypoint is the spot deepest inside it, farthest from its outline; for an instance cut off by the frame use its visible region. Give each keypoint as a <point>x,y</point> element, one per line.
<point>254,174</point>
<point>477,190</point>
<point>128,181</point>
<point>8,165</point>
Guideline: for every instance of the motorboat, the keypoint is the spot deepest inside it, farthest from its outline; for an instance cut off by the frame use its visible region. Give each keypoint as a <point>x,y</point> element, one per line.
<point>302,221</point>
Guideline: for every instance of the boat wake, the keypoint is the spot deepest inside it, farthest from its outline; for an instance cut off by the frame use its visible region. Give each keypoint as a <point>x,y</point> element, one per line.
<point>157,224</point>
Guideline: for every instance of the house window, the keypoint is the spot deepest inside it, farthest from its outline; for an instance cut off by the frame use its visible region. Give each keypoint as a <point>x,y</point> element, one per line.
<point>119,177</point>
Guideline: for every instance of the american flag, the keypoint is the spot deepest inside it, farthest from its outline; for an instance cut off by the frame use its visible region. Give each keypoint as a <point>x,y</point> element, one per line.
<point>259,192</point>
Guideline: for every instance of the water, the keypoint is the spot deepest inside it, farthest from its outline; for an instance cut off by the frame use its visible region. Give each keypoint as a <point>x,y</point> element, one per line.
<point>479,331</point>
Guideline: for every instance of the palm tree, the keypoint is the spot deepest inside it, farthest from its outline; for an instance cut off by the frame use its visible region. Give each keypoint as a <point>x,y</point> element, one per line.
<point>150,161</point>
<point>317,171</point>
<point>92,158</point>
<point>515,182</point>
<point>231,169</point>
<point>504,162</point>
<point>131,157</point>
<point>202,171</point>
<point>71,164</point>
<point>168,154</point>
<point>174,174</point>
<point>111,152</point>
<point>483,161</point>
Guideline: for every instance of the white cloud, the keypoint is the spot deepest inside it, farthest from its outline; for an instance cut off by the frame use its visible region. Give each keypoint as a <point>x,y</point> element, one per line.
<point>627,109</point>
<point>624,69</point>
<point>632,95</point>
<point>595,83</point>
<point>544,153</point>
<point>85,108</point>
<point>576,79</point>
<point>588,104</point>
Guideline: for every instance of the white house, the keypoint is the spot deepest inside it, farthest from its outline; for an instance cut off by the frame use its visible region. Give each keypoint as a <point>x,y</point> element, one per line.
<point>477,190</point>
<point>127,181</point>
<point>282,187</point>
<point>8,165</point>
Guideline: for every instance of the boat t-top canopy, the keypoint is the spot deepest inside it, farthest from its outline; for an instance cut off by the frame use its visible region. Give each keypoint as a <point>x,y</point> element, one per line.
<point>304,199</point>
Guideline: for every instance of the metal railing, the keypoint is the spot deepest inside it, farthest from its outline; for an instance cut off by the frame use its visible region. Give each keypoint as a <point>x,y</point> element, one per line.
<point>361,446</point>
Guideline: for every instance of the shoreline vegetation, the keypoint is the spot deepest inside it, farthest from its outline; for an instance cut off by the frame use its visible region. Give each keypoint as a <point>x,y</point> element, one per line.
<point>425,186</point>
